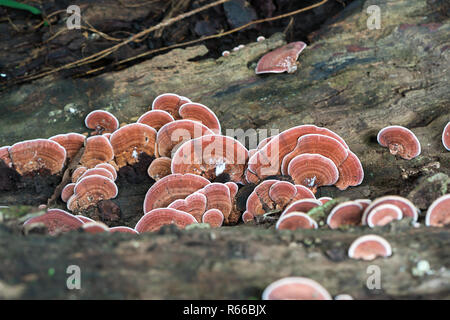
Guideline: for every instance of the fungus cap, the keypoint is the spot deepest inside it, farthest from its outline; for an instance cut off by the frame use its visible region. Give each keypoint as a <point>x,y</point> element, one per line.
<point>56,221</point>
<point>72,142</point>
<point>101,121</point>
<point>282,192</point>
<point>159,168</point>
<point>170,103</point>
<point>156,218</point>
<point>295,288</point>
<point>369,247</point>
<point>303,205</point>
<point>346,213</point>
<point>155,118</point>
<point>200,113</point>
<point>399,140</point>
<point>296,220</point>
<point>213,217</point>
<point>383,214</point>
<point>324,199</point>
<point>247,217</point>
<point>108,167</point>
<point>98,149</point>
<point>78,172</point>
<point>218,197</point>
<point>438,214</point>
<point>123,229</point>
<point>4,155</point>
<point>67,191</point>
<point>303,193</point>
<point>194,204</point>
<point>97,171</point>
<point>446,136</point>
<point>283,59</point>
<point>33,155</point>
<point>95,227</point>
<point>351,172</point>
<point>407,207</point>
<point>90,190</point>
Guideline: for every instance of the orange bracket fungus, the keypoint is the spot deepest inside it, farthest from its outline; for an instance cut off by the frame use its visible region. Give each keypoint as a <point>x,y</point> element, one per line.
<point>296,220</point>
<point>295,288</point>
<point>98,171</point>
<point>170,103</point>
<point>218,197</point>
<point>67,192</point>
<point>56,221</point>
<point>159,168</point>
<point>95,227</point>
<point>72,142</point>
<point>213,217</point>
<point>283,59</point>
<point>200,113</point>
<point>303,205</point>
<point>438,213</point>
<point>407,207</point>
<point>123,229</point>
<point>313,171</point>
<point>4,155</point>
<point>446,136</point>
<point>400,141</point>
<point>282,193</point>
<point>101,121</point>
<point>171,188</point>
<point>130,141</point>
<point>155,118</point>
<point>110,168</point>
<point>194,204</point>
<point>369,247</point>
<point>173,134</point>
<point>78,172</point>
<point>211,156</point>
<point>156,218</point>
<point>97,150</point>
<point>351,172</point>
<point>344,214</point>
<point>36,155</point>
<point>383,214</point>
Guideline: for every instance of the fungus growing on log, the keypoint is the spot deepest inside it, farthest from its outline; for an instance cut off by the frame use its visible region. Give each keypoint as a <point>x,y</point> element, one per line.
<point>400,141</point>
<point>369,247</point>
<point>123,229</point>
<point>101,121</point>
<point>194,204</point>
<point>303,205</point>
<point>159,168</point>
<point>283,59</point>
<point>351,172</point>
<point>200,113</point>
<point>155,118</point>
<point>446,137</point>
<point>108,167</point>
<point>296,220</point>
<point>218,197</point>
<point>67,192</point>
<point>407,207</point>
<point>213,217</point>
<point>438,214</point>
<point>98,149</point>
<point>95,227</point>
<point>383,214</point>
<point>170,103</point>
<point>72,142</point>
<point>156,218</point>
<point>348,213</point>
<point>282,192</point>
<point>295,288</point>
<point>4,155</point>
<point>57,221</point>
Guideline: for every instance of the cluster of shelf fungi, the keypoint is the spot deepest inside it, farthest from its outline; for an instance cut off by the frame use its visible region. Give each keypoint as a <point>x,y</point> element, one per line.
<point>203,177</point>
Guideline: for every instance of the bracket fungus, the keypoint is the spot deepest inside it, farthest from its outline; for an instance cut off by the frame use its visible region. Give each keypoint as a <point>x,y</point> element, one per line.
<point>400,141</point>
<point>324,199</point>
<point>159,168</point>
<point>101,121</point>
<point>97,171</point>
<point>303,205</point>
<point>446,137</point>
<point>369,247</point>
<point>200,113</point>
<point>407,207</point>
<point>383,214</point>
<point>156,218</point>
<point>108,167</point>
<point>72,142</point>
<point>218,197</point>
<point>78,172</point>
<point>351,172</point>
<point>438,213</point>
<point>155,118</point>
<point>130,141</point>
<point>36,155</point>
<point>67,191</point>
<point>211,156</point>
<point>170,103</point>
<point>295,288</point>
<point>4,155</point>
<point>296,220</point>
<point>171,188</point>
<point>283,59</point>
<point>348,213</point>
<point>123,229</point>
<point>282,193</point>
<point>95,227</point>
<point>56,221</point>
<point>98,149</point>
<point>213,217</point>
<point>194,204</point>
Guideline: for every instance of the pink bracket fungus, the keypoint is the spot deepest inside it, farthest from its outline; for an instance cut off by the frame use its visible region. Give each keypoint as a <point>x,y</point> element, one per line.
<point>344,214</point>
<point>247,217</point>
<point>67,192</point>
<point>296,220</point>
<point>351,172</point>
<point>108,167</point>
<point>57,221</point>
<point>97,171</point>
<point>4,155</point>
<point>303,193</point>
<point>35,155</point>
<point>123,229</point>
<point>200,113</point>
<point>369,247</point>
<point>364,203</point>
<point>324,199</point>
<point>78,172</point>
<point>97,150</point>
<point>407,207</point>
<point>218,197</point>
<point>446,137</point>
<point>213,217</point>
<point>317,144</point>
<point>313,171</point>
<point>233,187</point>
<point>170,103</point>
<point>383,214</point>
<point>101,121</point>
<point>156,218</point>
<point>172,135</point>
<point>399,140</point>
<point>84,219</point>
<point>171,188</point>
<point>211,156</point>
<point>159,168</point>
<point>130,141</point>
<point>155,118</point>
<point>438,213</point>
<point>303,205</point>
<point>282,193</point>
<point>283,59</point>
<point>194,204</point>
<point>90,190</point>
<point>295,288</point>
<point>72,142</point>
<point>95,227</point>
